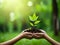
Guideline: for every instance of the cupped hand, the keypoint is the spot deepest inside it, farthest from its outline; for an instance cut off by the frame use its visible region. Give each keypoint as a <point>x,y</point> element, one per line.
<point>30,35</point>
<point>39,35</point>
<point>27,35</point>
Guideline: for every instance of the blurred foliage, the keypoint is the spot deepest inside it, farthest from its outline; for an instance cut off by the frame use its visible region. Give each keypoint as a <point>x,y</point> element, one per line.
<point>14,18</point>
<point>7,36</point>
<point>14,14</point>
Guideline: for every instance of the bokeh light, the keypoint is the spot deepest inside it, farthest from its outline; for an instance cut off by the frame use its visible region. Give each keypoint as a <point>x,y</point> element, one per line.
<point>1,1</point>
<point>22,8</point>
<point>30,3</point>
<point>12,16</point>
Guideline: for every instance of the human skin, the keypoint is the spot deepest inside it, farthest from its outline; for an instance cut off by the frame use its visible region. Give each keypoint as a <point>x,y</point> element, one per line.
<point>49,39</point>
<point>44,35</point>
<point>29,35</point>
<point>17,38</point>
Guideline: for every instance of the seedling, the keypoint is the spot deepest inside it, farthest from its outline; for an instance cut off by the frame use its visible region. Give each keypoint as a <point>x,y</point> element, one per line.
<point>34,20</point>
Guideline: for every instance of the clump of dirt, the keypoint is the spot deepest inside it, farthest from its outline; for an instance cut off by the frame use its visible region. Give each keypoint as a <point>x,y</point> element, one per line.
<point>33,30</point>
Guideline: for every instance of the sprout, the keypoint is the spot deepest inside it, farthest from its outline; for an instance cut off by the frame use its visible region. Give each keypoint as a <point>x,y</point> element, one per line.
<point>34,20</point>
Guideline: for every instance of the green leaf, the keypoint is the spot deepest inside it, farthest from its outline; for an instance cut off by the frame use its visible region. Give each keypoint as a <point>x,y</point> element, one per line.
<point>30,17</point>
<point>36,22</point>
<point>35,17</point>
<point>31,24</point>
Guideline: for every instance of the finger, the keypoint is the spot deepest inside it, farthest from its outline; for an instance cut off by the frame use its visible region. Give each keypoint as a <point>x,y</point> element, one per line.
<point>27,32</point>
<point>28,36</point>
<point>42,31</point>
<point>38,33</point>
<point>37,37</point>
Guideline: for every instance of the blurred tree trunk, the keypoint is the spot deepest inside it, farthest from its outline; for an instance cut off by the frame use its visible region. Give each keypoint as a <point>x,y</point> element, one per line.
<point>55,17</point>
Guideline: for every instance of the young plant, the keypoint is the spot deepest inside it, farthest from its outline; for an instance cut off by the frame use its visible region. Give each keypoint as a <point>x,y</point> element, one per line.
<point>34,20</point>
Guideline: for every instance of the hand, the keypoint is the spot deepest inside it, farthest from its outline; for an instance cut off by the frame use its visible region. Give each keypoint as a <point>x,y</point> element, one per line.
<point>30,35</point>
<point>27,35</point>
<point>39,35</point>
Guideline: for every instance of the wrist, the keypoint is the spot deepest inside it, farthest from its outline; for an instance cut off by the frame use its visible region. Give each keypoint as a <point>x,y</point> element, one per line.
<point>45,36</point>
<point>22,35</point>
<point>49,39</point>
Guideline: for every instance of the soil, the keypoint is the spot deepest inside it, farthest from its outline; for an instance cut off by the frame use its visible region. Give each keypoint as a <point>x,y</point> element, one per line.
<point>33,30</point>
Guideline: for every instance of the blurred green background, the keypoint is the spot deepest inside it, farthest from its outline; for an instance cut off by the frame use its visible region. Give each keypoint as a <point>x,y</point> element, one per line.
<point>14,19</point>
